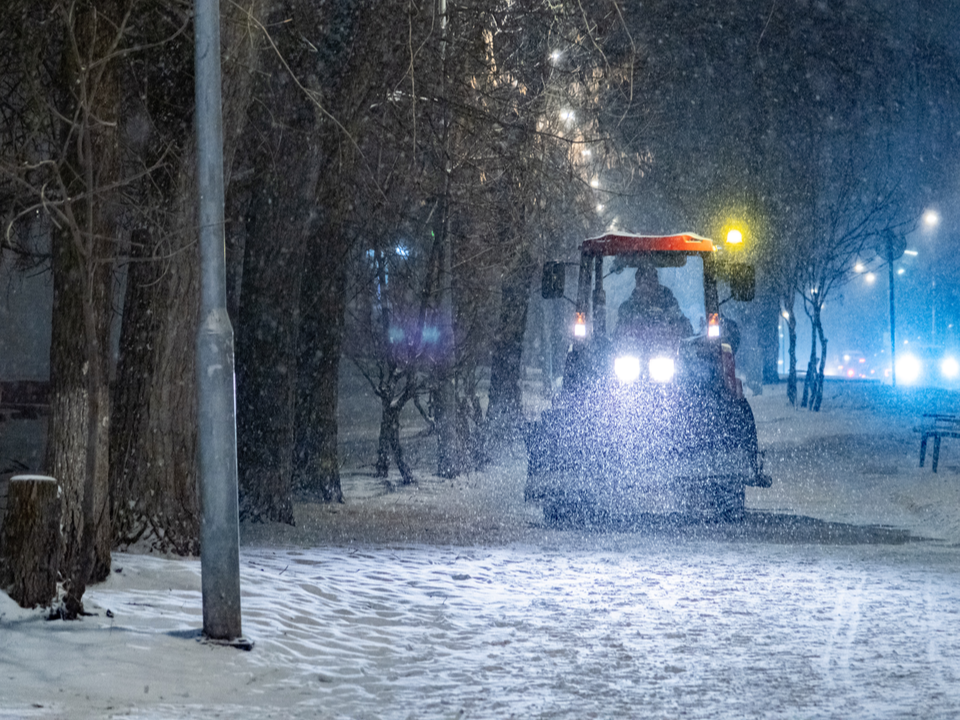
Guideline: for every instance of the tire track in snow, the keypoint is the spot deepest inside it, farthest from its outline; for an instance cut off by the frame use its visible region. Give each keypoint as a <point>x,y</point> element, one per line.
<point>836,660</point>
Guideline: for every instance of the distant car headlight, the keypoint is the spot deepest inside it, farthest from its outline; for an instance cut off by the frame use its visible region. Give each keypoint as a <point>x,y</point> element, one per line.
<point>662,369</point>
<point>950,368</point>
<point>627,368</point>
<point>909,368</point>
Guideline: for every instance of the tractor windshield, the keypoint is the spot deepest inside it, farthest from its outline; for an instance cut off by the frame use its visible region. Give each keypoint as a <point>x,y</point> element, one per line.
<point>643,299</point>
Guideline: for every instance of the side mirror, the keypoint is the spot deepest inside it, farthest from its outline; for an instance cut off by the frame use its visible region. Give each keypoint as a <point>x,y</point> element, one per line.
<point>552,280</point>
<point>743,281</point>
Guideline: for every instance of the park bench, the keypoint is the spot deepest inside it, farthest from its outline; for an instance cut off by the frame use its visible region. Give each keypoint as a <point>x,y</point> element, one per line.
<point>937,426</point>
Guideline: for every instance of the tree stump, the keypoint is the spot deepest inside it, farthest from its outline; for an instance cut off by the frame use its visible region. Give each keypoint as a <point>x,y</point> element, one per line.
<point>31,540</point>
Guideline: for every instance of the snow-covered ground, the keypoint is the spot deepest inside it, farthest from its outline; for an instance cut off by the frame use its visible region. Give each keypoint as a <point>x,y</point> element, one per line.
<point>839,596</point>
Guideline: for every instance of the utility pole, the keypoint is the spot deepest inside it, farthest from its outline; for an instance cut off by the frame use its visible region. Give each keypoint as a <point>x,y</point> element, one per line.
<point>894,247</point>
<point>893,320</point>
<point>216,401</point>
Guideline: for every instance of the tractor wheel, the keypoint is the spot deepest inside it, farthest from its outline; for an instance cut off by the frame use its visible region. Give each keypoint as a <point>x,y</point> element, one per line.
<point>730,503</point>
<point>557,513</point>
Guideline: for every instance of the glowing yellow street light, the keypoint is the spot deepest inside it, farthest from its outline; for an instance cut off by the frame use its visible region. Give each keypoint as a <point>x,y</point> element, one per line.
<point>734,237</point>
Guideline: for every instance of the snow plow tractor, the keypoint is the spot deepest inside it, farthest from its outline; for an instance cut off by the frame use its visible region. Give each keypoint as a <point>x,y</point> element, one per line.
<point>650,417</point>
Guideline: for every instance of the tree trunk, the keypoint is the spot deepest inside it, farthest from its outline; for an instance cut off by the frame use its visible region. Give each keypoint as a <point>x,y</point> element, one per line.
<point>280,150</point>
<point>505,410</point>
<point>792,372</point>
<point>768,330</point>
<point>31,540</point>
<point>154,479</point>
<point>266,355</point>
<point>808,380</point>
<point>83,251</point>
<point>71,423</point>
<point>384,445</point>
<point>450,460</point>
<point>319,347</point>
<point>389,444</point>
<point>821,370</point>
<point>471,425</point>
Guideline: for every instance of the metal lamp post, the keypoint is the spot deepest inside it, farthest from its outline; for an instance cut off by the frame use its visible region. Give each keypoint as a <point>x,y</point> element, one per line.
<point>216,426</point>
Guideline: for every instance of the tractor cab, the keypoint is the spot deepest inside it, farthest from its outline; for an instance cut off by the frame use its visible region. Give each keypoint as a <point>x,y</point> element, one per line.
<point>648,309</point>
<point>650,416</point>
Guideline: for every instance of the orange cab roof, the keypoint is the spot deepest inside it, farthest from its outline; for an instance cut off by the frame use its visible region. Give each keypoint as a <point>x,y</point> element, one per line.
<point>622,243</point>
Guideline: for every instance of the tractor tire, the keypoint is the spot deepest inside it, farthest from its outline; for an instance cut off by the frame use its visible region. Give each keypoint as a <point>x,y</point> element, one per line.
<point>729,503</point>
<point>557,514</point>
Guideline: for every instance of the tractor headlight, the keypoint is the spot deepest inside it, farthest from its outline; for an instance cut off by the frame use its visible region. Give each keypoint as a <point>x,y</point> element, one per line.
<point>950,368</point>
<point>662,369</point>
<point>627,368</point>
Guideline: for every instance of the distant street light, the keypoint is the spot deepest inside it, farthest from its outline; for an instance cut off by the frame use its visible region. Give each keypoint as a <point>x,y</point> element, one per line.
<point>734,237</point>
<point>931,218</point>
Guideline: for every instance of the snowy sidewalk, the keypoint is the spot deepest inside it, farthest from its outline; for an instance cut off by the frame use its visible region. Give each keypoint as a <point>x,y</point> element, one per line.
<point>857,460</point>
<point>586,626</point>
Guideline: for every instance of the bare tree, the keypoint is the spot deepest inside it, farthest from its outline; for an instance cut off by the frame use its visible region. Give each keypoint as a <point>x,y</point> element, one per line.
<point>523,105</point>
<point>69,169</point>
<point>394,332</point>
<point>856,207</point>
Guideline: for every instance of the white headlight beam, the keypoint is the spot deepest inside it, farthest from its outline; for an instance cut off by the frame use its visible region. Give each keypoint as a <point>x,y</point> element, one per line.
<point>627,368</point>
<point>662,369</point>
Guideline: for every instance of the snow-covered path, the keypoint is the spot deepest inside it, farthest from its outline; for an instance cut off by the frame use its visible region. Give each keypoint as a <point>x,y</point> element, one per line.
<point>640,625</point>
